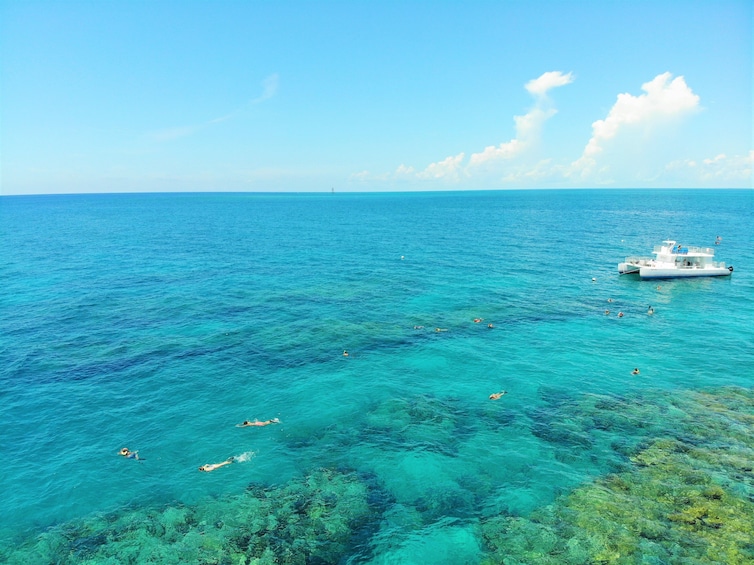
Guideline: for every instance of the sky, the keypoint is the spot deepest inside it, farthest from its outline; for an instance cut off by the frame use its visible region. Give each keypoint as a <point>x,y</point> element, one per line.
<point>356,96</point>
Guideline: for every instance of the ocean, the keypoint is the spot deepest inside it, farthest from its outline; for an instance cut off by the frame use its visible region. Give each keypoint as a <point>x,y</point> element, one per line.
<point>158,322</point>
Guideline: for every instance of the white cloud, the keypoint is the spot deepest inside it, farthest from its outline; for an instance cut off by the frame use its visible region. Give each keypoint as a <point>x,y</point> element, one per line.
<point>404,171</point>
<point>506,150</point>
<point>447,168</point>
<point>630,146</point>
<point>720,170</point>
<point>552,79</point>
<point>717,159</point>
<point>663,99</point>
<point>528,126</point>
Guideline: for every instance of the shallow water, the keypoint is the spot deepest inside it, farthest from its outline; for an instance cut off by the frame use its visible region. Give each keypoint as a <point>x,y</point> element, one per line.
<point>158,322</point>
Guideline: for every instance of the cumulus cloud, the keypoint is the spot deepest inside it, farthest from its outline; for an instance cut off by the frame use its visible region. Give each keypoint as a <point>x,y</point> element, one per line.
<point>448,168</point>
<point>528,126</point>
<point>663,98</point>
<point>632,146</point>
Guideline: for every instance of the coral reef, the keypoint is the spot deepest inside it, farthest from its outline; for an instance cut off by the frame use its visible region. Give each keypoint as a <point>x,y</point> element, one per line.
<point>687,497</point>
<point>311,520</point>
<point>676,487</point>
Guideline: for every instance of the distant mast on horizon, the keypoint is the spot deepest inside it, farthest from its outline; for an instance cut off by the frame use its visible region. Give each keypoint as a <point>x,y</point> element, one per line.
<point>332,190</point>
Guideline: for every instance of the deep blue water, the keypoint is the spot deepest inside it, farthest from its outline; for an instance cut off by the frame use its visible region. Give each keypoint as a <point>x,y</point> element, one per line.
<point>159,321</point>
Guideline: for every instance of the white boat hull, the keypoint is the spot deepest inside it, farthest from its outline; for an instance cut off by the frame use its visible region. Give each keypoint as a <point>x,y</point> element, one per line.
<point>675,273</point>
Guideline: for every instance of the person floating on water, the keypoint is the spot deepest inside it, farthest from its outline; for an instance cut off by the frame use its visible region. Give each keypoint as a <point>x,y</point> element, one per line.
<point>607,312</point>
<point>477,320</point>
<point>345,353</point>
<point>247,423</point>
<point>635,371</point>
<point>211,467</point>
<point>490,326</point>
<point>620,314</point>
<point>498,395</point>
<point>650,311</point>
<point>128,454</point>
<point>440,330</point>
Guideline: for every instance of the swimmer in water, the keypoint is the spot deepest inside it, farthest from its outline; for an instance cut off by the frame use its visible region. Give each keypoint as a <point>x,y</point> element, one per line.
<point>609,299</point>
<point>211,467</point>
<point>635,371</point>
<point>440,330</point>
<point>620,314</point>
<point>607,312</point>
<point>498,395</point>
<point>247,423</point>
<point>490,326</point>
<point>418,327</point>
<point>650,311</point>
<point>345,353</point>
<point>128,454</point>
<point>477,320</point>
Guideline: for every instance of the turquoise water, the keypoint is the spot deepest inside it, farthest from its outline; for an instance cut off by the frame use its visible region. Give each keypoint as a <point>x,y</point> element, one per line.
<point>158,322</point>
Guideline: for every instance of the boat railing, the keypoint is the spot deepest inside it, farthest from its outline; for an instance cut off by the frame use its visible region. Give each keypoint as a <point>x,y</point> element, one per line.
<point>705,265</point>
<point>688,250</point>
<point>639,260</point>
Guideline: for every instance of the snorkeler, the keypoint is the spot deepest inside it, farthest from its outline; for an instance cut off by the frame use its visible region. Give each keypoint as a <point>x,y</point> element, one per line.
<point>620,314</point>
<point>128,454</point>
<point>247,423</point>
<point>498,395</point>
<point>345,353</point>
<point>650,311</point>
<point>477,320</point>
<point>635,371</point>
<point>440,330</point>
<point>211,467</point>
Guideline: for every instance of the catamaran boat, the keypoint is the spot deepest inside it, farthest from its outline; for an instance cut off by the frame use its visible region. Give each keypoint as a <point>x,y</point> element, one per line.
<point>672,261</point>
